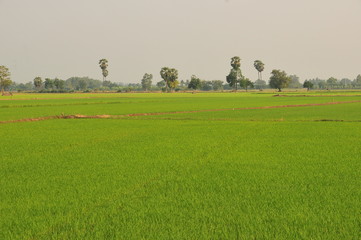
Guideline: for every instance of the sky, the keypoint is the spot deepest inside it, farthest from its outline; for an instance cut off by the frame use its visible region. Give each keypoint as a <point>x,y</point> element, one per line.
<point>52,38</point>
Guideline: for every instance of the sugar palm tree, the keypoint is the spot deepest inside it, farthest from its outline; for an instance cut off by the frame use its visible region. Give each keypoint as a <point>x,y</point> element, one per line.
<point>259,67</point>
<point>103,64</point>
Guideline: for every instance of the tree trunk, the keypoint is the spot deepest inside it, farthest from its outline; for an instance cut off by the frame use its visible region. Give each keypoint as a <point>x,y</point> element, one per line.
<point>279,90</point>
<point>2,91</point>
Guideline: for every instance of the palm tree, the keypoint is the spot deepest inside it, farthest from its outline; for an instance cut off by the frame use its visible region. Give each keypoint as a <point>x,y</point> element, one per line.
<point>259,67</point>
<point>103,64</point>
<point>170,77</point>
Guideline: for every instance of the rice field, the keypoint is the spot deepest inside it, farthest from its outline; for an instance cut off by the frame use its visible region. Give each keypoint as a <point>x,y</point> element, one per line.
<point>181,166</point>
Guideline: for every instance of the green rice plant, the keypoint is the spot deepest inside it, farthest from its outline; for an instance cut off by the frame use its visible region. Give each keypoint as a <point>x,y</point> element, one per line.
<point>278,173</point>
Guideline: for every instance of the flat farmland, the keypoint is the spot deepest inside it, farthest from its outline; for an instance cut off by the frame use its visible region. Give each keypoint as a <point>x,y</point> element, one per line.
<point>181,166</point>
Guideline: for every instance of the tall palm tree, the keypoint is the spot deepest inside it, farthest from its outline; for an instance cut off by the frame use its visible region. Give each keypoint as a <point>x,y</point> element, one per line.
<point>259,67</point>
<point>103,64</point>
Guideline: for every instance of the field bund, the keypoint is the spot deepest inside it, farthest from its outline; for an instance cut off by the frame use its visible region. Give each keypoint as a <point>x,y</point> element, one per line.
<point>180,166</point>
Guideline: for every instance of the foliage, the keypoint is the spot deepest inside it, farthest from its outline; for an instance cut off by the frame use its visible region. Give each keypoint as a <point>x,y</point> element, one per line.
<point>206,85</point>
<point>23,86</point>
<point>246,83</point>
<point>103,64</point>
<point>170,76</point>
<point>161,84</point>
<point>5,80</point>
<point>308,85</point>
<point>259,65</point>
<point>195,83</point>
<point>38,82</point>
<point>82,84</point>
<point>147,81</point>
<point>318,83</point>
<point>357,81</point>
<point>279,79</point>
<point>59,84</point>
<point>48,83</point>
<point>332,82</point>
<point>217,85</point>
<point>235,74</point>
<point>260,84</point>
<point>77,83</point>
<point>345,83</point>
<point>295,82</point>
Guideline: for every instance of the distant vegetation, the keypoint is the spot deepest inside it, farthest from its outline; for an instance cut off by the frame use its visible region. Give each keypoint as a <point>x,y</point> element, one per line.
<point>4,78</point>
<point>170,82</point>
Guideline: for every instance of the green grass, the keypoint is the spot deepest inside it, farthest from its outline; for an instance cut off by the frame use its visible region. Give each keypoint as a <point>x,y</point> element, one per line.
<point>339,112</point>
<point>149,103</point>
<point>247,174</point>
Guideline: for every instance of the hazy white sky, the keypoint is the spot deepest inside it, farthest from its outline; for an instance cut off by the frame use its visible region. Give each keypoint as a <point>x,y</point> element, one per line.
<point>53,38</point>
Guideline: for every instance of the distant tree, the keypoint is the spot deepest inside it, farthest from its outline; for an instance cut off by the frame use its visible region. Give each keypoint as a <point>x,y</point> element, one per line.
<point>357,81</point>
<point>259,65</point>
<point>59,84</point>
<point>345,83</point>
<point>186,82</point>
<point>308,84</point>
<point>217,85</point>
<point>5,80</point>
<point>161,84</point>
<point>29,86</point>
<point>318,83</point>
<point>331,82</point>
<point>206,85</point>
<point>49,83</point>
<point>170,76</point>
<point>279,79</point>
<point>107,83</point>
<point>22,86</point>
<point>295,82</point>
<point>38,82</point>
<point>103,64</point>
<point>147,81</point>
<point>82,84</point>
<point>195,83</point>
<point>173,84</point>
<point>183,84</point>
<point>73,83</point>
<point>260,84</point>
<point>246,83</point>
<point>322,84</point>
<point>235,74</point>
<point>227,87</point>
<point>135,86</point>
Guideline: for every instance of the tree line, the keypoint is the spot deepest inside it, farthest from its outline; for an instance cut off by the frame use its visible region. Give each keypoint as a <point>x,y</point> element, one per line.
<point>234,80</point>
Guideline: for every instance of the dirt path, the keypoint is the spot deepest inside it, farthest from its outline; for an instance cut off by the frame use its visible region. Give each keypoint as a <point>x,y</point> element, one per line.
<point>78,116</point>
